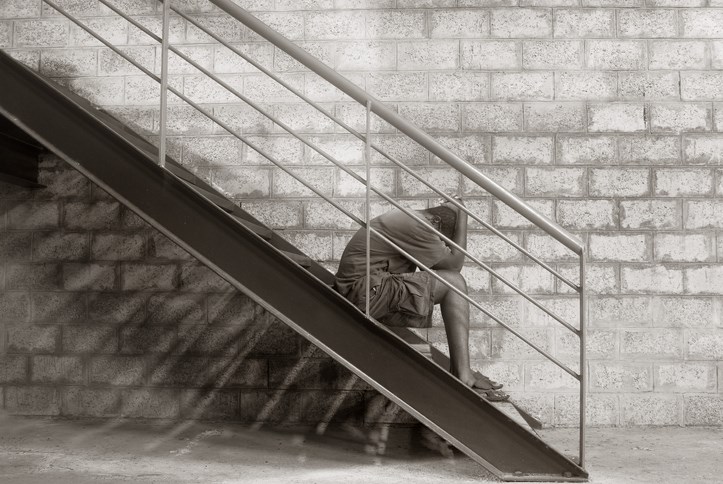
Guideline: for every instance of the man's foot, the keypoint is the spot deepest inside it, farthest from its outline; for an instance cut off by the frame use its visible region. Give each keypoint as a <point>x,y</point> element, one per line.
<point>484,383</point>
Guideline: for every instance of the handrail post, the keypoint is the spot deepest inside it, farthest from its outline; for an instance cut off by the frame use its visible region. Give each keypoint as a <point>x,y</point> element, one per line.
<point>164,82</point>
<point>367,162</point>
<point>583,357</point>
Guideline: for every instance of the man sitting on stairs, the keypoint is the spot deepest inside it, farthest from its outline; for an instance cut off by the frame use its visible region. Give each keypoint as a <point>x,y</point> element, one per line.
<point>402,296</point>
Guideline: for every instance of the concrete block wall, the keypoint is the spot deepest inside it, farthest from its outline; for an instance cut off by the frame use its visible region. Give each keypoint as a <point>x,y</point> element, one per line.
<point>607,117</point>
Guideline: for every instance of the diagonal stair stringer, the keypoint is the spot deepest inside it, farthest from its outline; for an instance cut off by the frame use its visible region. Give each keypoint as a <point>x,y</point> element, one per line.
<point>293,294</point>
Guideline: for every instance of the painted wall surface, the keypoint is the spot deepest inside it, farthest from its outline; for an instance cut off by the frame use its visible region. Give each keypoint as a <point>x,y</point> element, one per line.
<point>605,115</point>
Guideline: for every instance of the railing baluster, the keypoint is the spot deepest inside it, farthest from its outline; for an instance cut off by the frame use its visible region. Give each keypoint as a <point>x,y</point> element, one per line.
<point>367,160</point>
<point>164,82</point>
<point>583,357</point>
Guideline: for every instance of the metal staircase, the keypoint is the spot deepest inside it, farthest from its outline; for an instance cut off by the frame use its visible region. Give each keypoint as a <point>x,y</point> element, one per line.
<point>277,275</point>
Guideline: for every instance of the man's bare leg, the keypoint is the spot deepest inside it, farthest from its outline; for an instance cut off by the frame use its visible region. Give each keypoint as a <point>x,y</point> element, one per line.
<point>455,314</point>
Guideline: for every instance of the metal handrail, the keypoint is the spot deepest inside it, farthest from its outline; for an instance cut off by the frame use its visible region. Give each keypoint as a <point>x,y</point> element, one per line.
<point>340,165</point>
<point>405,127</point>
<point>390,116</point>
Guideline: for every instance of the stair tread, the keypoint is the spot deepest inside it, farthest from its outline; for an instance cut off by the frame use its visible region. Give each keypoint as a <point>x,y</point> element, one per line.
<point>302,260</point>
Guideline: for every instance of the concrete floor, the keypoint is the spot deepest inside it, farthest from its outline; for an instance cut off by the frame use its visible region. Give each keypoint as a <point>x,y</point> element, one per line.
<point>80,451</point>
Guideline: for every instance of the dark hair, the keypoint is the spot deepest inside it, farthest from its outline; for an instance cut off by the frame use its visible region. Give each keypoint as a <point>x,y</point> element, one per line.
<point>447,219</point>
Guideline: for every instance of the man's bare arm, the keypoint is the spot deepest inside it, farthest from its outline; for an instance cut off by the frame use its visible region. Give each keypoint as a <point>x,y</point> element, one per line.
<point>455,260</point>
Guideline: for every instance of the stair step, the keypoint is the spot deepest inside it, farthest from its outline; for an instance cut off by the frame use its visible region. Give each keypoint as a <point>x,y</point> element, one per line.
<point>302,260</point>
<point>263,232</point>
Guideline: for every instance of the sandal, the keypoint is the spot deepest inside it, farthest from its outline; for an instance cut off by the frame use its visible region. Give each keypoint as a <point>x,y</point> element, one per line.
<point>493,395</point>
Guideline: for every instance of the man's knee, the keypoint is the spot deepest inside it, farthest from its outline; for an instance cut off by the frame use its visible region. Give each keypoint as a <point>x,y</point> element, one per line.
<point>454,278</point>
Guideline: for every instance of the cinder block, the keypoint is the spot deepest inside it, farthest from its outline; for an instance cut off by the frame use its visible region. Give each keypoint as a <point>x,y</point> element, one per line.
<point>116,370</point>
<point>475,148</point>
<point>161,247</point>
<point>94,339</point>
<point>16,245</point>
<point>418,55</point>
<point>211,404</point>
<point>69,63</point>
<point>259,150</point>
<point>459,86</point>
<point>149,276</point>
<point>600,344</point>
<point>284,185</point>
<point>548,249</point>
<point>333,25</point>
<point>614,311</point>
<point>554,117</point>
<point>490,248</point>
<point>651,343</point>
<point>224,26</point>
<point>154,23</point>
<point>599,278</point>
<point>14,306</point>
<point>617,117</point>
<point>116,307</point>
<point>601,410</point>
<point>650,409</point>
<point>677,54</point>
<point>491,54</point>
<point>199,278</point>
<point>138,340</point>
<point>402,86</point>
<point>701,86</point>
<point>303,118</point>
<point>41,33</point>
<point>702,409</point>
<point>117,246</point>
<point>478,279</point>
<point>32,215</point>
<point>103,90</point>
<point>704,214</point>
<point>654,280</point>
<point>547,377</point>
<point>684,247</point>
<point>685,377</point>
<point>587,214</point>
<point>582,23</point>
<point>90,402</point>
<point>454,24</point>
<point>552,54</point>
<point>505,217</point>
<point>505,345</point>
<point>619,182</point>
<point>494,117</point>
<point>397,24</point>
<point>704,344</point>
<point>382,179</point>
<point>649,85</point>
<point>616,54</point>
<point>650,214</point>
<point>234,308</point>
<point>32,401</point>
<point>89,276</point>
<point>316,245</point>
<point>649,150</point>
<point>50,246</point>
<point>58,307</point>
<point>428,3</point>
<point>57,369</point>
<point>586,150</point>
<point>366,55</point>
<point>522,150</point>
<point>29,58</point>
<point>6,34</point>
<point>703,150</point>
<point>445,179</point>
<point>259,88</point>
<point>13,369</point>
<point>43,276</point>
<point>113,30</point>
<point>718,117</point>
<point>521,23</point>
<point>150,403</point>
<point>581,85</point>
<point>701,23</point>
<point>322,215</point>
<point>532,279</point>
<point>509,178</point>
<point>288,24</point>
<point>522,86</point>
<point>546,182</point>
<point>438,117</point>
<point>621,377</point>
<point>647,23</point>
<point>704,280</point>
<point>20,9</point>
<point>620,247</point>
<point>682,183</point>
<point>684,312</point>
<point>716,48</point>
<point>226,61</point>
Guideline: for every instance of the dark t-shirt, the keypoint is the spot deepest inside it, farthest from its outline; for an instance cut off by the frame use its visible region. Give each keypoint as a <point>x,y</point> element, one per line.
<point>410,235</point>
